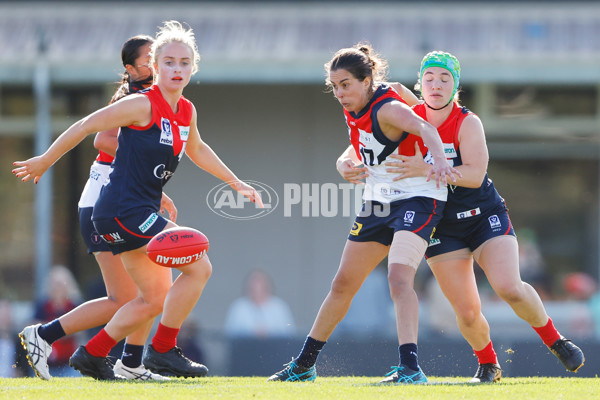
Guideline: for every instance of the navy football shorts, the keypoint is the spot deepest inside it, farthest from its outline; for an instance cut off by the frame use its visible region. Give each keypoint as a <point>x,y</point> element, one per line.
<point>92,239</point>
<point>130,232</point>
<point>377,222</point>
<point>471,232</point>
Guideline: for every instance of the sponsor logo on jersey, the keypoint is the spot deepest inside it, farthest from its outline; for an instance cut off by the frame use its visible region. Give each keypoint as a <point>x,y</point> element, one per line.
<point>494,222</point>
<point>184,133</point>
<point>409,217</point>
<point>161,173</point>
<point>166,133</point>
<point>434,241</point>
<point>386,190</point>
<point>468,213</point>
<point>147,224</point>
<point>449,150</point>
<point>356,228</point>
<point>112,238</point>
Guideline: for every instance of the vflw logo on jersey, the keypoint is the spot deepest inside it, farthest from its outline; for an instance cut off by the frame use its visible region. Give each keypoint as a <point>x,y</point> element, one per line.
<point>166,133</point>
<point>409,217</point>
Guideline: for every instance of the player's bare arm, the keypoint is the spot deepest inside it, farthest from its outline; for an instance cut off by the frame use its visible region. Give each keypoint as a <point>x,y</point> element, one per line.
<point>474,153</point>
<point>407,95</point>
<point>134,110</point>
<point>395,118</point>
<point>474,156</point>
<point>349,167</point>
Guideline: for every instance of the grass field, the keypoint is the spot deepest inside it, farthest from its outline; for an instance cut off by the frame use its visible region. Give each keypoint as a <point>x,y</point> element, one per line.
<point>256,388</point>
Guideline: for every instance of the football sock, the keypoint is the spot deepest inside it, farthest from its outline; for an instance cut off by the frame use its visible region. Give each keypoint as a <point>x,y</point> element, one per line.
<point>310,351</point>
<point>487,355</point>
<point>52,331</point>
<point>548,333</point>
<point>408,356</point>
<point>100,345</point>
<point>132,355</point>
<point>165,338</point>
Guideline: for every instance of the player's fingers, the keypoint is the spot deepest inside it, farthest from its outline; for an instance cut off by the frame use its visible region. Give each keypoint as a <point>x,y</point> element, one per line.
<point>444,180</point>
<point>395,170</point>
<point>258,200</point>
<point>457,173</point>
<point>354,174</point>
<point>359,169</point>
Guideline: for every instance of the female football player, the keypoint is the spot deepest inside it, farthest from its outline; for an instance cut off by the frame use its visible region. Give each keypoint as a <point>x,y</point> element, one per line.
<point>475,225</point>
<point>397,217</point>
<point>120,288</point>
<point>157,126</point>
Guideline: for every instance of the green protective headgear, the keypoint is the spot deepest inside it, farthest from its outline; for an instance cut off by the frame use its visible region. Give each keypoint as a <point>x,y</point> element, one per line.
<point>443,60</point>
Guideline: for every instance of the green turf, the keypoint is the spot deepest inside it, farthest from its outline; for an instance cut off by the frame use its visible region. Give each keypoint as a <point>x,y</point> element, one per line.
<point>256,388</point>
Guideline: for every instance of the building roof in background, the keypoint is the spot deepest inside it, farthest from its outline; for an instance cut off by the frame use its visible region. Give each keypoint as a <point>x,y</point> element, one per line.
<point>290,41</point>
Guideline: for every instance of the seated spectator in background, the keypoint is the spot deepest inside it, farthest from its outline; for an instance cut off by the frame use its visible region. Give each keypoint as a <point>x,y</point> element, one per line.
<point>259,313</point>
<point>63,295</point>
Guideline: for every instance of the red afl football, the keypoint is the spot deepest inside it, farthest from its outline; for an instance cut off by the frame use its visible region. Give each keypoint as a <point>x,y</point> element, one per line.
<point>176,247</point>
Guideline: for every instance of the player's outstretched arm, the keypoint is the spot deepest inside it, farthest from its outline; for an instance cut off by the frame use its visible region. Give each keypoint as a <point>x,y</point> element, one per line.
<point>396,118</point>
<point>126,112</point>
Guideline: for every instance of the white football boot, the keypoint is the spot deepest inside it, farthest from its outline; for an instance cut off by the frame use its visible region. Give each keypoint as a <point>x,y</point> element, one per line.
<point>38,350</point>
<point>138,373</point>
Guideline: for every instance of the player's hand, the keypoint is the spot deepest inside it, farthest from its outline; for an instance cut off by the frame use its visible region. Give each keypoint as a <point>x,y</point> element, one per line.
<point>440,171</point>
<point>248,191</point>
<point>408,166</point>
<point>168,206</point>
<point>352,172</point>
<point>30,169</point>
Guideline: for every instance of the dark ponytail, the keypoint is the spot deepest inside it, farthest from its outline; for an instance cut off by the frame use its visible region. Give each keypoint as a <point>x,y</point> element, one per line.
<point>361,61</point>
<point>129,53</point>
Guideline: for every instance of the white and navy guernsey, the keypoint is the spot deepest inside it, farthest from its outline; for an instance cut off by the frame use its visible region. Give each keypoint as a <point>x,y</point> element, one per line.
<point>372,147</point>
<point>146,158</point>
<point>462,202</point>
